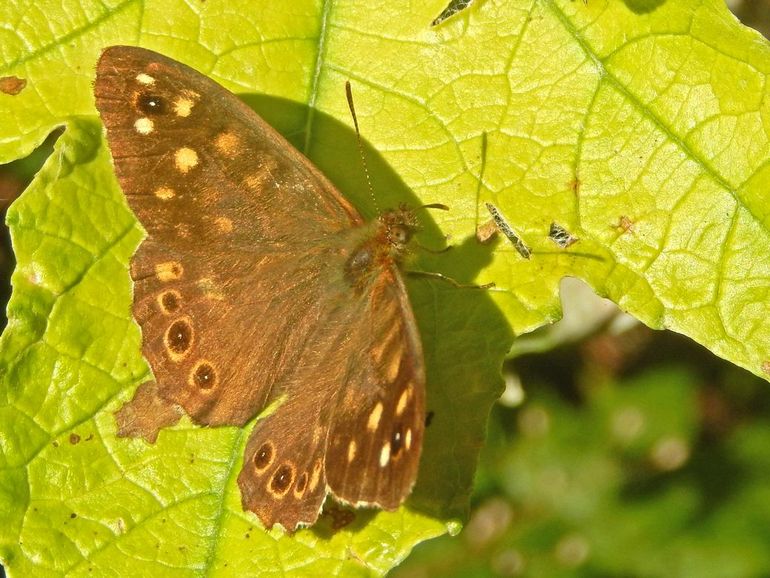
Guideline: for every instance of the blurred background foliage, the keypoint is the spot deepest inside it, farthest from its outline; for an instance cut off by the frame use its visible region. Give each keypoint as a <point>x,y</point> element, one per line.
<point>616,451</point>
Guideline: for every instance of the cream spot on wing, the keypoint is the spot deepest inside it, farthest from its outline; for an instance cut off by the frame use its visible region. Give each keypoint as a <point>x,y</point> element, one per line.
<point>265,167</point>
<point>315,477</point>
<point>374,417</point>
<point>185,159</point>
<point>164,193</point>
<point>184,104</point>
<point>317,431</point>
<point>401,406</point>
<point>351,450</point>
<point>387,353</point>
<point>169,271</point>
<point>227,143</point>
<point>408,439</point>
<point>256,180</point>
<point>388,343</point>
<point>145,79</point>
<point>394,365</point>
<point>224,224</point>
<point>385,455</point>
<point>210,289</point>
<point>144,125</point>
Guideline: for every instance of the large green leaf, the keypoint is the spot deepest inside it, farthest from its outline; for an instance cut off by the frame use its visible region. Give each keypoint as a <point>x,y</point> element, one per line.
<point>553,110</point>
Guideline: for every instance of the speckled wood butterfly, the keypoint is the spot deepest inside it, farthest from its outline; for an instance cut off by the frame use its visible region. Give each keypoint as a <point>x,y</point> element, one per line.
<point>259,283</point>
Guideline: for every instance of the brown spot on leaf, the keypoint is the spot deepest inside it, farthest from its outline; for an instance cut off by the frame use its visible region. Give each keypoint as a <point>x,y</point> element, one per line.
<point>625,224</point>
<point>74,438</point>
<point>12,85</point>
<point>486,231</point>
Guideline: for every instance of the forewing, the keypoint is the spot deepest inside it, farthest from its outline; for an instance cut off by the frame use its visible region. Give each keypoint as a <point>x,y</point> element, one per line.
<point>201,169</point>
<point>232,263</point>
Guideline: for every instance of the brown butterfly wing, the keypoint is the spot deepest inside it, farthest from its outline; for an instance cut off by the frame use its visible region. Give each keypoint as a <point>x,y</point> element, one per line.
<point>241,294</point>
<point>355,428</point>
<point>374,444</point>
<point>221,207</point>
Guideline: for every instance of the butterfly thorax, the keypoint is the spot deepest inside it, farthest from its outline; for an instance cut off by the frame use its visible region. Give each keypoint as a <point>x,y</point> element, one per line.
<point>386,246</point>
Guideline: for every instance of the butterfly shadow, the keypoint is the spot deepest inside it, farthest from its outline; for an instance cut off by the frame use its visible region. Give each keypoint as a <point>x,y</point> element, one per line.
<point>464,333</point>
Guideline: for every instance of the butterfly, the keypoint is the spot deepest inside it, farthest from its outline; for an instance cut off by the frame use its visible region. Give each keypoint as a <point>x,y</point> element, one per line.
<point>259,285</point>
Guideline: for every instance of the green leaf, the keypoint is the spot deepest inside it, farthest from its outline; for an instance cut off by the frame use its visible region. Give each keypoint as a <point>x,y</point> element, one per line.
<point>653,112</point>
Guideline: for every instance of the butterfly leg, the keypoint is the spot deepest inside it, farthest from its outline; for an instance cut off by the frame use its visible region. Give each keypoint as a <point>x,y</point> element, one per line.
<point>442,277</point>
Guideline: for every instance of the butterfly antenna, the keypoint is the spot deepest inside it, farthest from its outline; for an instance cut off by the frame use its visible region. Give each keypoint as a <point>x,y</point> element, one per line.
<point>351,106</point>
<point>439,206</point>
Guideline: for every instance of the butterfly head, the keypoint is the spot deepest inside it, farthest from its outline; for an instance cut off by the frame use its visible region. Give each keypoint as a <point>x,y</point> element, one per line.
<point>387,244</point>
<point>397,228</point>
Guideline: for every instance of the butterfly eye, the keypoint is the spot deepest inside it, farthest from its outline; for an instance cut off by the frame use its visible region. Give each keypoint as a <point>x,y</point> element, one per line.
<point>400,235</point>
<point>151,104</point>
